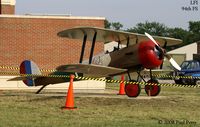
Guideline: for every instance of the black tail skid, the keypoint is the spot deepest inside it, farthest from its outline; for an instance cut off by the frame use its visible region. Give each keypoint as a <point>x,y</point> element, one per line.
<point>41,89</point>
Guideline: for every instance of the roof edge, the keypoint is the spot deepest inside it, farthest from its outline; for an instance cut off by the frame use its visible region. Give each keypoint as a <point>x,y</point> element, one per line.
<point>52,17</point>
<point>8,2</point>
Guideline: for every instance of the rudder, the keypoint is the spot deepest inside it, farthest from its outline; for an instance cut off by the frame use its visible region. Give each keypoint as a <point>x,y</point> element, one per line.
<point>29,67</point>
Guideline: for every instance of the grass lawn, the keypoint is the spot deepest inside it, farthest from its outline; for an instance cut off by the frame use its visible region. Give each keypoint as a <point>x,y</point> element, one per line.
<point>176,107</point>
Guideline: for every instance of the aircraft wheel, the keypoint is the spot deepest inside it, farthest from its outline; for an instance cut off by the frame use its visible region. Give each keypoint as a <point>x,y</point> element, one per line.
<point>154,89</point>
<point>132,90</point>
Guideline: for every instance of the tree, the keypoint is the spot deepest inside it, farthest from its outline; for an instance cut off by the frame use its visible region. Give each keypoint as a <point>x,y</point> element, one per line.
<point>112,25</point>
<point>179,33</point>
<point>107,24</point>
<point>116,25</point>
<point>153,28</point>
<point>188,36</point>
<point>194,29</point>
<point>194,26</point>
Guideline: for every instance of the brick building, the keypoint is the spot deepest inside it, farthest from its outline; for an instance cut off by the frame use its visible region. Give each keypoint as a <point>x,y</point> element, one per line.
<point>35,38</point>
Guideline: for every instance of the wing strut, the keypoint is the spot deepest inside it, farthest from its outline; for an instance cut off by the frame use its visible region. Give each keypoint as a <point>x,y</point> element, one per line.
<point>83,48</point>
<point>128,40</point>
<point>92,48</point>
<point>165,45</point>
<point>118,46</point>
<point>136,41</point>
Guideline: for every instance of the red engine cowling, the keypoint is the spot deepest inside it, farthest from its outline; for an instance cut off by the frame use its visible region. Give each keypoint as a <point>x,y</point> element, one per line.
<point>147,55</point>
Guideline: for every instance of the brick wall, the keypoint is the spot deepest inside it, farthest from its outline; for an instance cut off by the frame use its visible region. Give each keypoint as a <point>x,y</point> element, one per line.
<point>36,39</point>
<point>7,9</point>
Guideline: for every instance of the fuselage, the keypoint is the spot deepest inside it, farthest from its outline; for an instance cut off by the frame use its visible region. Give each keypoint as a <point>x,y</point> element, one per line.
<point>134,57</point>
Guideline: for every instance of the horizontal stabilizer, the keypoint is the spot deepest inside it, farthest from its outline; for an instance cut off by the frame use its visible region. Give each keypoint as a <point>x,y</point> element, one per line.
<point>91,70</point>
<point>21,78</point>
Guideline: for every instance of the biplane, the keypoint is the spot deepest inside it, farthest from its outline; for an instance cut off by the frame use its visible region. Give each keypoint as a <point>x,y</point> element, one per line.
<point>139,52</point>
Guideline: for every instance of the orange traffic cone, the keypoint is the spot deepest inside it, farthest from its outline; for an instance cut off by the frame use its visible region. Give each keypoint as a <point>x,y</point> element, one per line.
<point>121,89</point>
<point>70,95</point>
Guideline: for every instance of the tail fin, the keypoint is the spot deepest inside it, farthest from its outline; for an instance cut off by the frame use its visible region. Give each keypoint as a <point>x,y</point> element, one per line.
<point>29,67</point>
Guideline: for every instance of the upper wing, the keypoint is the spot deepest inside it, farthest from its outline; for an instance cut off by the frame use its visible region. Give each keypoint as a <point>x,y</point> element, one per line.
<point>107,35</point>
<point>91,70</point>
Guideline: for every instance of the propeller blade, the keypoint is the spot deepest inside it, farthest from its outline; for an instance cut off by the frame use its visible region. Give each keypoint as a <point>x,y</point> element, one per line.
<point>157,45</point>
<point>151,38</point>
<point>173,62</point>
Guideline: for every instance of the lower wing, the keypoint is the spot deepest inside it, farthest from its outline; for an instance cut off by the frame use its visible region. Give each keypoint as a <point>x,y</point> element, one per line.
<point>91,70</point>
<point>88,70</point>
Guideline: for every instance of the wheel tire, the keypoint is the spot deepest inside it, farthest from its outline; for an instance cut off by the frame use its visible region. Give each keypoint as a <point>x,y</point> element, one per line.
<point>132,90</point>
<point>154,89</point>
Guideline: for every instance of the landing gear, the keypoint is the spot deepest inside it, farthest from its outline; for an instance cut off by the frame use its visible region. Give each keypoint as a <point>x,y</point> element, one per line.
<point>132,90</point>
<point>152,90</point>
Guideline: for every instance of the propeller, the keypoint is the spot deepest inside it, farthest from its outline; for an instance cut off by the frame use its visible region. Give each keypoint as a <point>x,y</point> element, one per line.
<point>171,60</point>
